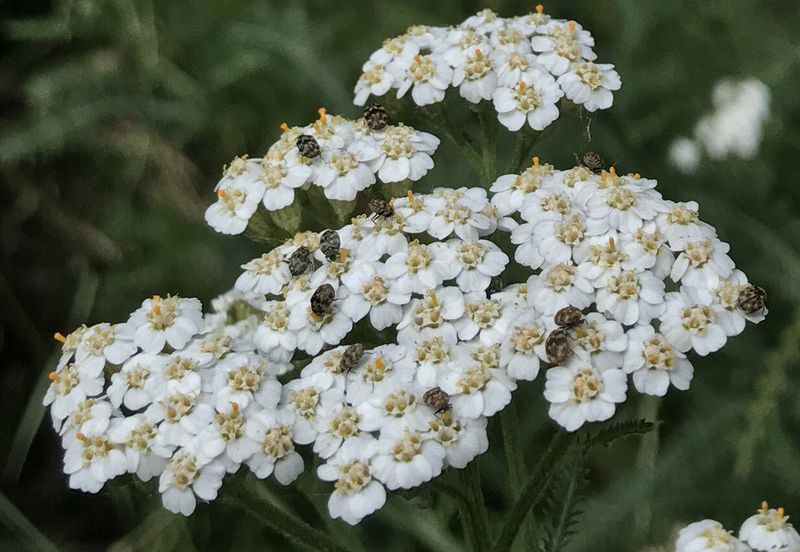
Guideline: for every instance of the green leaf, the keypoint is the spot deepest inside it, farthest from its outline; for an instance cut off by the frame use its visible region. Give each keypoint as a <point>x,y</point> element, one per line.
<point>21,527</point>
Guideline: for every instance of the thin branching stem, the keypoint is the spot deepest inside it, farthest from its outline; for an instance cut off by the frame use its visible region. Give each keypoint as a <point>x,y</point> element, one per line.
<point>270,514</point>
<point>479,526</point>
<point>532,490</point>
<point>509,420</point>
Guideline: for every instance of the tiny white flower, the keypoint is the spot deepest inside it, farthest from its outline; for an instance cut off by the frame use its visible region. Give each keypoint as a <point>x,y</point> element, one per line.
<point>103,343</point>
<point>591,85</point>
<point>263,275</point>
<point>384,367</point>
<point>394,408</point>
<point>374,80</point>
<point>90,460</point>
<point>632,298</point>
<point>680,223</point>
<point>371,291</point>
<point>578,393</point>
<point>273,332</point>
<point>476,78</point>
<point>655,363</point>
<point>599,340</point>
<point>191,472</point>
<point>560,286</point>
<point>427,76</point>
<point>701,264</point>
<point>437,309</point>
<point>523,348</point>
<point>343,173</point>
<point>563,44</point>
<point>67,389</point>
<point>402,153</point>
<point>137,436</point>
<point>279,177</point>
<point>244,378</point>
<point>420,267</point>
<point>407,459</point>
<point>170,320</point>
<point>708,535</point>
<point>462,440</point>
<point>357,493</point>
<point>476,383</point>
<point>135,385</point>
<point>691,325</point>
<point>479,260</point>
<point>270,431</point>
<point>181,417</point>
<point>531,99</point>
<point>770,530</point>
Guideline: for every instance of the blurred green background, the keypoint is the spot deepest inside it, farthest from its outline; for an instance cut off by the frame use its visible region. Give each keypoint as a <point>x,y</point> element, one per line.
<point>118,115</point>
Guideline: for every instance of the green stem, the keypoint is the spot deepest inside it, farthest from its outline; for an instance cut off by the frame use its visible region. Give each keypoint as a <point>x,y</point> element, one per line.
<point>532,490</point>
<point>439,115</point>
<point>276,518</point>
<point>479,526</point>
<point>488,131</point>
<point>509,420</point>
<point>646,461</point>
<point>525,144</point>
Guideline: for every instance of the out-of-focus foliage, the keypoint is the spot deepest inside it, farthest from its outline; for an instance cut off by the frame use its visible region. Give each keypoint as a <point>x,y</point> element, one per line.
<point>118,116</point>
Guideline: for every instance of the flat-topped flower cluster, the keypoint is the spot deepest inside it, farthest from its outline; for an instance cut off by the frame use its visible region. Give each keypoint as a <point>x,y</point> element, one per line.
<point>407,338</point>
<point>524,65</point>
<point>341,156</point>
<point>768,530</point>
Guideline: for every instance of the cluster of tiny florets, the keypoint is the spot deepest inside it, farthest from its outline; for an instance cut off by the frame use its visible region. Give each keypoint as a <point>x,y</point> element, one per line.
<point>768,530</point>
<point>652,280</point>
<point>524,65</point>
<point>341,156</point>
<point>620,281</point>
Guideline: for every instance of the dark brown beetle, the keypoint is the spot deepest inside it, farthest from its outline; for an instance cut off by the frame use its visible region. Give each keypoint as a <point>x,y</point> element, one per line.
<point>308,146</point>
<point>376,117</point>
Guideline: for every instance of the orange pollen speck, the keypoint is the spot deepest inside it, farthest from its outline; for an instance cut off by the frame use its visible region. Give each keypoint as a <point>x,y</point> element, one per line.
<point>52,376</point>
<point>284,127</point>
<point>521,86</point>
<point>410,195</point>
<point>779,513</point>
<point>379,363</point>
<point>80,437</point>
<point>59,337</point>
<point>221,193</point>
<point>343,254</point>
<point>571,26</point>
<point>156,309</point>
<point>535,160</point>
<point>478,53</point>
<point>323,114</point>
<point>417,58</point>
<point>539,8</point>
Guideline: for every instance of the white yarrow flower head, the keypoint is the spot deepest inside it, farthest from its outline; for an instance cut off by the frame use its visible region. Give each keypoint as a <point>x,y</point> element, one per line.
<point>190,397</point>
<point>769,530</point>
<point>515,62</point>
